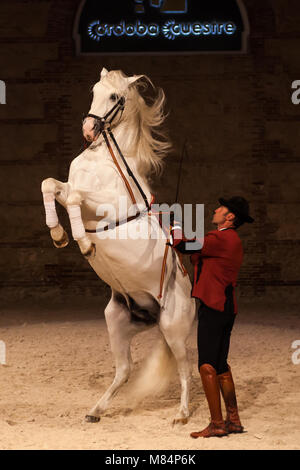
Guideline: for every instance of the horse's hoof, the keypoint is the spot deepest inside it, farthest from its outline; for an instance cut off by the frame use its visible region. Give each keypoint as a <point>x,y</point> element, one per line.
<point>180,421</point>
<point>92,419</point>
<point>62,242</point>
<point>91,252</point>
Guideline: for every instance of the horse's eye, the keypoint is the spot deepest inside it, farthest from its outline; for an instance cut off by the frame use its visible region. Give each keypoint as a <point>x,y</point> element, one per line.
<point>114,97</point>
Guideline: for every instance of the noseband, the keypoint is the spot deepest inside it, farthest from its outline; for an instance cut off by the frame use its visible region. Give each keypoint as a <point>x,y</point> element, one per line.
<point>101,121</point>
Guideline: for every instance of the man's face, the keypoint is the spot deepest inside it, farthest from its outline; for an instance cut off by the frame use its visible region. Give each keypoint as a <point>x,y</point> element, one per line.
<point>221,215</point>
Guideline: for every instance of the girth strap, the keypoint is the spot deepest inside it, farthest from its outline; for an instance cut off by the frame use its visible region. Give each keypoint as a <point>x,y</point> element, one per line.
<point>113,225</point>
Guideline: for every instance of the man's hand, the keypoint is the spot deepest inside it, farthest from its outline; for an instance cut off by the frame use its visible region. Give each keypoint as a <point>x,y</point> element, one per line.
<point>175,232</point>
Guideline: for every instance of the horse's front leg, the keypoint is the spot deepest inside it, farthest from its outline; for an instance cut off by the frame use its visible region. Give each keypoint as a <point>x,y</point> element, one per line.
<point>53,189</point>
<point>74,200</point>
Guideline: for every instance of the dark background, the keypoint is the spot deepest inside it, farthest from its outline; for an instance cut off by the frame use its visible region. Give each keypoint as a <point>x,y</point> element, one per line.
<point>235,111</point>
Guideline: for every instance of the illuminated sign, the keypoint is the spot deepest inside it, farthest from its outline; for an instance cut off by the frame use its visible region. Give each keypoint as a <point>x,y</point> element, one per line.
<point>141,26</point>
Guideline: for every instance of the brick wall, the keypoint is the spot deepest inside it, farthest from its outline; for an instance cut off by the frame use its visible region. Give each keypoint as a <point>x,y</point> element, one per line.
<point>235,111</point>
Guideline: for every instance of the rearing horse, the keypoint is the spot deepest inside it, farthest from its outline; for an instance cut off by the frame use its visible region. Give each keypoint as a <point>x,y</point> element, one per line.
<point>97,189</point>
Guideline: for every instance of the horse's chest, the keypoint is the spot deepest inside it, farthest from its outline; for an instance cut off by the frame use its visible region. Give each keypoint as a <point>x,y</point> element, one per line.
<point>84,175</point>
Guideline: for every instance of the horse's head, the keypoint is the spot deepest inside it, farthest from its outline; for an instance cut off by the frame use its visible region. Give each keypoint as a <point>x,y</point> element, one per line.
<point>138,130</point>
<point>107,96</point>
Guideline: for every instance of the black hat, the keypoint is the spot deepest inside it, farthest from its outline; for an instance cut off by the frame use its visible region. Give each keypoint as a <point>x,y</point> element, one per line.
<point>239,207</point>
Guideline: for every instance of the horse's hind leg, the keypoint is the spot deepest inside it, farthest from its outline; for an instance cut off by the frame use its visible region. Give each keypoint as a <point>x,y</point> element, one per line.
<point>178,348</point>
<point>121,330</point>
<point>175,324</point>
<point>53,189</point>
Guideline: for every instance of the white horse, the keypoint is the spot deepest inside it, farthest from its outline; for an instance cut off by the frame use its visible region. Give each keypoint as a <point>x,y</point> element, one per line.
<point>131,265</point>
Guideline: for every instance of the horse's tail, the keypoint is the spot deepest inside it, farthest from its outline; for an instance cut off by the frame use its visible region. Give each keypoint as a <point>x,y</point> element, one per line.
<point>156,372</point>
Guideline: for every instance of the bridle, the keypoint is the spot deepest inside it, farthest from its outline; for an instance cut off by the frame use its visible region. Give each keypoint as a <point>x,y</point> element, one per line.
<point>101,121</point>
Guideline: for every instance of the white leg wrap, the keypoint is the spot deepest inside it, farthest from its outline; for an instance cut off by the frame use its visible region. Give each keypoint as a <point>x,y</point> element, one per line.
<point>51,215</point>
<point>78,230</point>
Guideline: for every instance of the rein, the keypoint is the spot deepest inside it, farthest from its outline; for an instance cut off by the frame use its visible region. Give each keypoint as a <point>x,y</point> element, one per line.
<point>102,126</point>
<point>100,129</point>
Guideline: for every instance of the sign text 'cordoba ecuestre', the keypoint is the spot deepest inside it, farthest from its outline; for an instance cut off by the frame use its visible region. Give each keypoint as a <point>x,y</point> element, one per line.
<point>141,26</point>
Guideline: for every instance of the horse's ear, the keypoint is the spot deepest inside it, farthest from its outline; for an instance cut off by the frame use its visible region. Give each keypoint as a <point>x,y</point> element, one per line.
<point>133,79</point>
<point>104,72</point>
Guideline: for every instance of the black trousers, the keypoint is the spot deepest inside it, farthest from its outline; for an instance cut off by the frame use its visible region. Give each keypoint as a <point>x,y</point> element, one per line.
<point>214,330</point>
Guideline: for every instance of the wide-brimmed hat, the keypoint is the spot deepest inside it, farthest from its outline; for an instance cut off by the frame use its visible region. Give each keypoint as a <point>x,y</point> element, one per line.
<point>239,206</point>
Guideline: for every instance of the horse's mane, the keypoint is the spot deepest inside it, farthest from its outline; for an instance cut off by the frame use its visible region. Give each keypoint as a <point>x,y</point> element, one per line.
<point>149,143</point>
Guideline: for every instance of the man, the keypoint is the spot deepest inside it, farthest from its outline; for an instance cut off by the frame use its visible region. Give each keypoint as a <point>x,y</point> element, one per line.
<point>216,268</point>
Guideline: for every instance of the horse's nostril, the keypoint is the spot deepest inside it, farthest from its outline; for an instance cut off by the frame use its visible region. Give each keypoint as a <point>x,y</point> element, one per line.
<point>88,137</point>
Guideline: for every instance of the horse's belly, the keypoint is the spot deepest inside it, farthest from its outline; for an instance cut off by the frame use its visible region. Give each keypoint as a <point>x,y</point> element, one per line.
<point>132,263</point>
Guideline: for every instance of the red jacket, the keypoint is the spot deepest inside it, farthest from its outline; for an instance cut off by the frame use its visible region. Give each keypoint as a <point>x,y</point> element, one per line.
<point>216,266</point>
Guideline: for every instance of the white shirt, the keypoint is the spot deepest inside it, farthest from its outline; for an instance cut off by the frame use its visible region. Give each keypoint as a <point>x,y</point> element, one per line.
<point>178,226</point>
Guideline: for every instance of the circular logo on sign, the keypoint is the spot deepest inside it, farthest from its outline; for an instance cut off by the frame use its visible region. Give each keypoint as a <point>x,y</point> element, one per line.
<point>167,29</point>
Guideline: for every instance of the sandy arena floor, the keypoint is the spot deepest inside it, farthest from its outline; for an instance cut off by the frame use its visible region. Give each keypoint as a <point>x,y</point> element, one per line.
<point>57,369</point>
